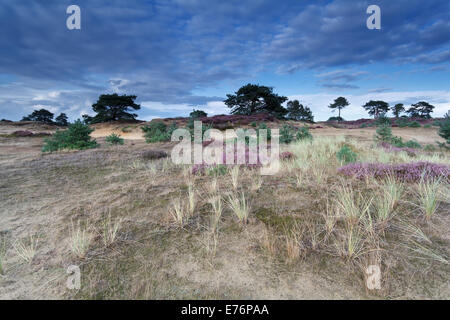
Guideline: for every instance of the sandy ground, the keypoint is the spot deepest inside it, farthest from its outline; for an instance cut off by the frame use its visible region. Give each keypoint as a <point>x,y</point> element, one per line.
<point>41,194</point>
<point>132,131</point>
<point>45,210</point>
<point>422,135</point>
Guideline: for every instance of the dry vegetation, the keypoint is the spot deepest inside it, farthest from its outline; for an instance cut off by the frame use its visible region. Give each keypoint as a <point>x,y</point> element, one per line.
<point>147,229</point>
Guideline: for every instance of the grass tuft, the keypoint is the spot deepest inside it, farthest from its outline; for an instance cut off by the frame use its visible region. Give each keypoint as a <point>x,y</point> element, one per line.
<point>234,172</point>
<point>2,254</point>
<point>26,250</point>
<point>429,196</point>
<point>110,230</point>
<point>179,212</point>
<point>239,206</point>
<point>80,240</point>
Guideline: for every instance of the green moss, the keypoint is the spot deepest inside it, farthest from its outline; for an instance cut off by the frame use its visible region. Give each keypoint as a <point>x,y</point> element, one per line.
<point>273,220</point>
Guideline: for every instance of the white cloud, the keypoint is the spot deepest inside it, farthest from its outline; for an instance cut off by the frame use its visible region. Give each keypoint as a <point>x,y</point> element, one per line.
<point>183,109</point>
<point>47,107</point>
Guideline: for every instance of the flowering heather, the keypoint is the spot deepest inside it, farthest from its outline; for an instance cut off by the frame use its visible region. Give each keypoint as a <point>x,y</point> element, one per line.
<point>26,133</point>
<point>200,168</point>
<point>389,147</point>
<point>287,155</point>
<point>408,172</point>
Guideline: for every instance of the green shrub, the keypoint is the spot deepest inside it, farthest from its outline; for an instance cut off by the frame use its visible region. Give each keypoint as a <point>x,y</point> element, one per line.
<point>402,123</point>
<point>346,155</point>
<point>253,124</point>
<point>198,114</point>
<point>413,144</point>
<point>218,170</point>
<point>76,137</point>
<point>127,129</point>
<point>427,126</point>
<point>414,124</point>
<point>269,132</point>
<point>382,120</point>
<point>437,123</point>
<point>190,127</point>
<point>429,147</point>
<point>336,119</point>
<point>155,132</point>
<point>444,128</point>
<point>384,133</point>
<point>158,132</point>
<point>153,154</point>
<point>286,134</point>
<point>303,133</point>
<point>397,141</point>
<point>114,139</point>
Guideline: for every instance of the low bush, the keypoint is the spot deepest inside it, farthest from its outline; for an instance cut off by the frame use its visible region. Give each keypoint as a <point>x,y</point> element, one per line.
<point>346,155</point>
<point>286,134</point>
<point>408,172</point>
<point>127,129</point>
<point>190,127</point>
<point>77,137</point>
<point>114,139</point>
<point>198,114</point>
<point>382,120</point>
<point>397,141</point>
<point>402,123</point>
<point>384,133</point>
<point>414,124</point>
<point>437,123</point>
<point>234,119</point>
<point>444,129</point>
<point>287,156</point>
<point>158,132</point>
<point>219,170</point>
<point>429,148</point>
<point>336,119</point>
<point>153,154</point>
<point>264,126</point>
<point>303,134</point>
<point>412,144</point>
<point>23,133</point>
<point>248,156</point>
<point>393,148</point>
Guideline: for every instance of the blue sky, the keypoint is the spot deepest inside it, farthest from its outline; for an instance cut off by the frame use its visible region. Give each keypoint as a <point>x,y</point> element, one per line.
<point>176,55</point>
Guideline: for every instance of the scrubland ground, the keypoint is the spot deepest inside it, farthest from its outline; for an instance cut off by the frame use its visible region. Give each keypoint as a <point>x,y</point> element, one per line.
<point>149,229</point>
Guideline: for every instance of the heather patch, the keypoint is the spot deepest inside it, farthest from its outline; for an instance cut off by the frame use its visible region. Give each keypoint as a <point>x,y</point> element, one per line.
<point>389,147</point>
<point>287,155</point>
<point>408,172</point>
<point>251,160</point>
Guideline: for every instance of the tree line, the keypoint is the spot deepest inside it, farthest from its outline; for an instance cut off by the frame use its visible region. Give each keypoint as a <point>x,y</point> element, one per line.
<point>248,100</point>
<point>45,116</point>
<point>251,99</point>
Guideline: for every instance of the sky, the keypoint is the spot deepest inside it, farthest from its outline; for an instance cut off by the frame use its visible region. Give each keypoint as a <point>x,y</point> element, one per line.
<point>177,55</point>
